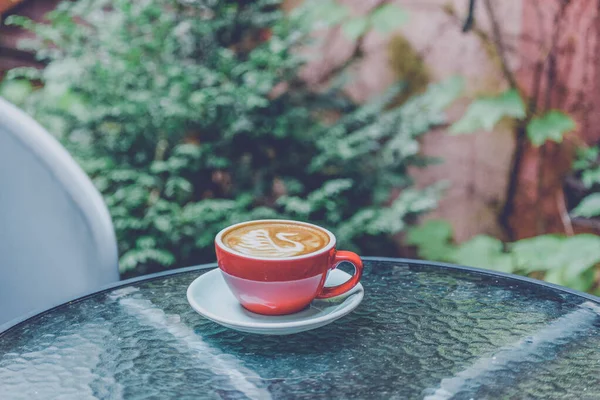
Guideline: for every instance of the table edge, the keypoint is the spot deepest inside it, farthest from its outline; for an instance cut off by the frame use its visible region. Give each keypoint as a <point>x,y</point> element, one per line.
<point>490,272</point>
<point>4,328</point>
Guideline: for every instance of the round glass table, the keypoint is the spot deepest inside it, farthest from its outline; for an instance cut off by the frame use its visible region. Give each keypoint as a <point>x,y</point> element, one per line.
<point>423,331</point>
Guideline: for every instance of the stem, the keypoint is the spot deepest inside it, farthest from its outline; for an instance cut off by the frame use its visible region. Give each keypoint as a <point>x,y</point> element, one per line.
<point>513,180</point>
<point>550,80</point>
<point>564,214</point>
<point>497,50</point>
<point>520,132</point>
<point>470,17</point>
<point>489,47</point>
<point>540,225</point>
<point>499,44</point>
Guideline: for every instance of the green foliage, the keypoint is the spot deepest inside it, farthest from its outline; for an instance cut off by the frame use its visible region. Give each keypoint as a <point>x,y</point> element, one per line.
<point>483,251</point>
<point>330,12</point>
<point>485,112</point>
<point>15,91</point>
<point>388,17</point>
<point>591,177</point>
<point>355,27</point>
<point>550,126</point>
<point>384,18</point>
<point>589,207</point>
<point>432,239</point>
<point>587,158</point>
<point>448,91</point>
<point>537,253</point>
<point>175,109</point>
<point>587,166</point>
<point>565,260</point>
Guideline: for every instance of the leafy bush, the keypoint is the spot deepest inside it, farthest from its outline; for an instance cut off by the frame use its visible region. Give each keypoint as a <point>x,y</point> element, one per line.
<point>189,117</point>
<point>587,167</point>
<point>564,260</point>
<point>571,261</point>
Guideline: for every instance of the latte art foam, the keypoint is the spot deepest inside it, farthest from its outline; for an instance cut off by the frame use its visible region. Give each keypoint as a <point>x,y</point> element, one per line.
<point>275,240</point>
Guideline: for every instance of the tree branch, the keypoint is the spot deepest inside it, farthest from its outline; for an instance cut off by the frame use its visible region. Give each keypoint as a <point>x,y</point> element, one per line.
<point>550,83</point>
<point>499,44</point>
<point>495,46</point>
<point>564,214</point>
<point>470,17</point>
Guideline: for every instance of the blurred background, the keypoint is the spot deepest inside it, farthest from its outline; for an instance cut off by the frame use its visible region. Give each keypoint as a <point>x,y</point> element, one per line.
<point>463,131</point>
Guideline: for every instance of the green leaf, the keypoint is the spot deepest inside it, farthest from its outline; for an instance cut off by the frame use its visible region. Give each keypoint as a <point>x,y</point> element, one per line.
<point>589,207</point>
<point>146,242</point>
<point>388,17</point>
<point>555,276</point>
<point>484,113</point>
<point>439,231</point>
<point>442,94</point>
<point>538,253</point>
<point>590,177</point>
<point>355,27</point>
<point>15,91</point>
<point>133,258</point>
<point>72,103</point>
<point>18,20</point>
<point>436,251</point>
<point>483,252</point>
<point>582,282</point>
<point>331,12</point>
<point>581,252</point>
<point>432,240</point>
<point>586,158</point>
<point>550,126</point>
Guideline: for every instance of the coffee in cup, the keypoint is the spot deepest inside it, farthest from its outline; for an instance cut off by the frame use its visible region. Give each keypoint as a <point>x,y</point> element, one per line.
<point>275,239</point>
<point>278,267</point>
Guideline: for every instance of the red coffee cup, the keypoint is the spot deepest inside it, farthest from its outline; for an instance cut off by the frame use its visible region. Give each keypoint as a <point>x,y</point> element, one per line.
<point>284,285</point>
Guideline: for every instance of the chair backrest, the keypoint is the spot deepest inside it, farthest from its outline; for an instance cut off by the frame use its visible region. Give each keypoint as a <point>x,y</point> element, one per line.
<point>56,236</point>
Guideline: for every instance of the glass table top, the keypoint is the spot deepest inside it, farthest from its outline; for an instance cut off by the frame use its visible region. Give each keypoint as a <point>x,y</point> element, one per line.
<point>423,331</point>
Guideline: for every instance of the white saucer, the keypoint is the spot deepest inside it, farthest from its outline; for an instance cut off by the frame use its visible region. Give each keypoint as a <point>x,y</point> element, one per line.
<point>210,296</point>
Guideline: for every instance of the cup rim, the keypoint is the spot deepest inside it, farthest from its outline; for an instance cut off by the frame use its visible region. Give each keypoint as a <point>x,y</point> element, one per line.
<point>221,245</point>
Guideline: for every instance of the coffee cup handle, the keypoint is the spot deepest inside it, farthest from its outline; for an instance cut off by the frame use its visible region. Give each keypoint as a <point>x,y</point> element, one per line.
<point>340,257</point>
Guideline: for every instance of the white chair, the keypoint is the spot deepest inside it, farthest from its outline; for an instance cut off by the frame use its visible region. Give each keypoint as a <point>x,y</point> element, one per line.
<point>56,236</point>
